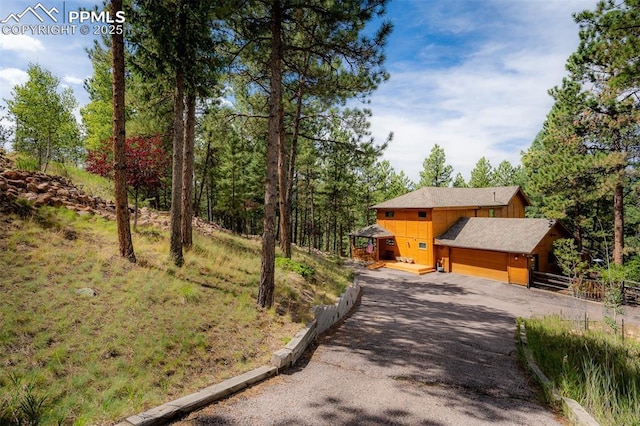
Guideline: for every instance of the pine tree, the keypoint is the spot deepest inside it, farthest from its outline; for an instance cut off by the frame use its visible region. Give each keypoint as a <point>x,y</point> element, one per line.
<point>119,140</point>
<point>459,181</point>
<point>562,174</point>
<point>607,60</point>
<point>176,39</point>
<point>482,174</point>
<point>506,174</point>
<point>435,171</point>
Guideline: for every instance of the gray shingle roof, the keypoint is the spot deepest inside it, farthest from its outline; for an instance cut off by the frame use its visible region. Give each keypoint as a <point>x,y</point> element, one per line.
<point>433,197</point>
<point>498,234</point>
<point>372,231</point>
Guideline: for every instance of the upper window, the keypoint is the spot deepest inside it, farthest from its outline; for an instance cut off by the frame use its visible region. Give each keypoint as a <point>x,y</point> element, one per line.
<point>422,215</point>
<point>388,213</point>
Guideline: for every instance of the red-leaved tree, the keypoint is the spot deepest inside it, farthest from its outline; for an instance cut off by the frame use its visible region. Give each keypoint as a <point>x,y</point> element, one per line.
<point>147,164</point>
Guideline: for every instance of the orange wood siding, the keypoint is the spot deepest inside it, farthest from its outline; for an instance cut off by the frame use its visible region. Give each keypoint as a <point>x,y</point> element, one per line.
<point>518,269</point>
<point>545,247</point>
<point>410,231</point>
<point>516,207</point>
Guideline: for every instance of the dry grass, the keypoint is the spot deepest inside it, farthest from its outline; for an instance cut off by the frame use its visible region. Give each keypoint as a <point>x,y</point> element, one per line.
<point>594,367</point>
<point>154,332</point>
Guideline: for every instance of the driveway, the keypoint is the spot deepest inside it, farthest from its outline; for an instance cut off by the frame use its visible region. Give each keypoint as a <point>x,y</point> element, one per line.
<point>438,349</point>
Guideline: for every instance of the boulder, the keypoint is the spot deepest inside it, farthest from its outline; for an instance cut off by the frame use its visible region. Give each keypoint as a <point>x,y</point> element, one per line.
<point>18,183</point>
<point>86,291</point>
<point>44,187</point>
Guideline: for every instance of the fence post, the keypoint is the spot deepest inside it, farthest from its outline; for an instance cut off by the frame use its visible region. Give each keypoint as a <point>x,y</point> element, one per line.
<point>586,321</point>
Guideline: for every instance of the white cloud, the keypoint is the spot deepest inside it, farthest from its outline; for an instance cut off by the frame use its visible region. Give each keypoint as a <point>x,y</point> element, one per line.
<point>69,79</point>
<point>13,76</point>
<point>476,88</point>
<point>20,43</point>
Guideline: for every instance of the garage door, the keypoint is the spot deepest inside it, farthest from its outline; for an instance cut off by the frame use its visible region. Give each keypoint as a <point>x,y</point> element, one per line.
<point>480,263</point>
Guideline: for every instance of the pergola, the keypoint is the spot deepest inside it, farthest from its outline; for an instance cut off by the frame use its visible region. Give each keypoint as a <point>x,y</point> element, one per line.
<point>368,249</point>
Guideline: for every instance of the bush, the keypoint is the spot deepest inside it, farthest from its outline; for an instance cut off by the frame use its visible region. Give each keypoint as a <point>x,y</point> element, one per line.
<point>305,271</point>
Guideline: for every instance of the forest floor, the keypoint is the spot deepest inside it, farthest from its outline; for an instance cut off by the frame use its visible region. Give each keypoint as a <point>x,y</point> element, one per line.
<point>88,338</point>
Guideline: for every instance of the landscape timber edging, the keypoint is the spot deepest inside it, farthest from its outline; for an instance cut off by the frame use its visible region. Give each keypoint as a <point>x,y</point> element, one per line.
<point>325,317</point>
<point>576,412</point>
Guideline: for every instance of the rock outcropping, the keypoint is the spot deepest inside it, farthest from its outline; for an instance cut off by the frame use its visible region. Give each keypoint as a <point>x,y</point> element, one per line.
<point>48,190</point>
<point>41,189</point>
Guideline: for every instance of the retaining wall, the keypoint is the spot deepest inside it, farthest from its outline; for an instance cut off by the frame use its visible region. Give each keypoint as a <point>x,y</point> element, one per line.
<point>325,317</point>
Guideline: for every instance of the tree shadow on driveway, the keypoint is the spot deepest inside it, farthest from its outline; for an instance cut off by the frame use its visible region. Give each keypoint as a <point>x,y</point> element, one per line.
<point>415,351</point>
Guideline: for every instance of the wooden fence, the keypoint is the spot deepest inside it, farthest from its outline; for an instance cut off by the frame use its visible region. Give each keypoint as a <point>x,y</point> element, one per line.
<point>586,289</point>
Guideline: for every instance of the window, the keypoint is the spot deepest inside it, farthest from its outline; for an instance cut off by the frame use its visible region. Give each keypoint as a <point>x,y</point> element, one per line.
<point>492,213</point>
<point>388,214</point>
<point>390,242</point>
<point>422,215</point>
<point>422,246</point>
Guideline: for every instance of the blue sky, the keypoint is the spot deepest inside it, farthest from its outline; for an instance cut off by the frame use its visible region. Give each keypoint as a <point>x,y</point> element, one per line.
<point>469,75</point>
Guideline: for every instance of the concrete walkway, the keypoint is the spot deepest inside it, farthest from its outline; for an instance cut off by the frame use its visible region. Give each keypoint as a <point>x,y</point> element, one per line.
<point>437,349</point>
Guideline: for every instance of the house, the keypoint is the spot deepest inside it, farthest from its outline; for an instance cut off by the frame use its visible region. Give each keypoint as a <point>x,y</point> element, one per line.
<point>475,231</point>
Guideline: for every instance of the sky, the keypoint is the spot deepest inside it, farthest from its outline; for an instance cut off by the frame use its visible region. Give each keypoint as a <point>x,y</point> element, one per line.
<point>469,75</point>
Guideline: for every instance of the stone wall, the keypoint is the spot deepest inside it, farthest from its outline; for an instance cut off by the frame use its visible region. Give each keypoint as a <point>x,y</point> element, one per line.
<point>326,316</point>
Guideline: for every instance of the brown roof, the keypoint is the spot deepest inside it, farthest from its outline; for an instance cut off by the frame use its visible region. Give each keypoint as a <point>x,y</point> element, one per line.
<point>372,231</point>
<point>435,197</point>
<point>498,234</point>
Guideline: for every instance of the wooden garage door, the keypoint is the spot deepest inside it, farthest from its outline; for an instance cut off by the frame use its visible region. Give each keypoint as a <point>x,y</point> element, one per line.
<point>480,263</point>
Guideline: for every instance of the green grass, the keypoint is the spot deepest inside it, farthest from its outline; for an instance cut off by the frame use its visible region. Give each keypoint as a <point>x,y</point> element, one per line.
<point>153,333</point>
<point>593,367</point>
<point>90,183</point>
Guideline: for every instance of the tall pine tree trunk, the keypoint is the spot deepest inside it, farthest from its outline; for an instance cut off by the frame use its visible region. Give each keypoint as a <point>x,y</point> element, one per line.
<point>119,140</point>
<point>267,268</point>
<point>175,244</point>
<point>284,203</point>
<point>618,224</point>
<point>176,181</point>
<point>187,172</point>
<point>286,183</point>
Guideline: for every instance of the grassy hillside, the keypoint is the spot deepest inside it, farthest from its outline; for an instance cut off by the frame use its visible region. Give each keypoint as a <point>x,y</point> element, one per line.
<point>152,332</point>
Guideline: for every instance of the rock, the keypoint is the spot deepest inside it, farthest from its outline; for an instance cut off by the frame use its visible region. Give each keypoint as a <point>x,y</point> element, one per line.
<point>17,183</point>
<point>32,187</point>
<point>86,291</point>
<point>12,174</point>
<point>44,198</point>
<point>43,187</point>
<point>63,192</point>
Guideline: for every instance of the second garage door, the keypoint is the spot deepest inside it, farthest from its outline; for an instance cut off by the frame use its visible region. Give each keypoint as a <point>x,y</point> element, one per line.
<point>480,263</point>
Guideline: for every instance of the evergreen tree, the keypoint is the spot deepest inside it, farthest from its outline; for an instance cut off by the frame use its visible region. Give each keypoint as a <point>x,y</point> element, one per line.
<point>435,171</point>
<point>607,60</point>
<point>315,52</point>
<point>119,140</point>
<point>507,175</point>
<point>177,39</point>
<point>482,174</point>
<point>562,174</point>
<point>459,181</point>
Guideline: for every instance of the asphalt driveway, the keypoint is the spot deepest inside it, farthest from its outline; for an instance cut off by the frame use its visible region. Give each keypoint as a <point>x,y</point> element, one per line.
<point>432,350</point>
